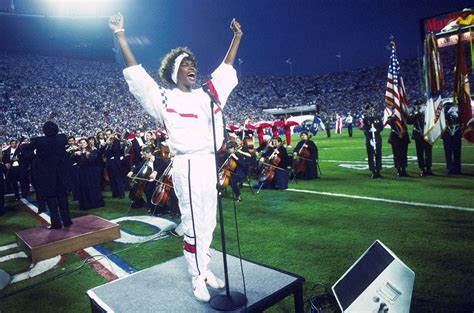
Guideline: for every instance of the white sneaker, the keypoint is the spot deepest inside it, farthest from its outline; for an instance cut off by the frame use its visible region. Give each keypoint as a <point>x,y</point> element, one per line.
<point>199,288</point>
<point>213,281</point>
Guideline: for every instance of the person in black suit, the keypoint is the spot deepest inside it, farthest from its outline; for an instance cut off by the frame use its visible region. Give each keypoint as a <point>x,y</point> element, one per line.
<point>51,172</point>
<point>90,189</point>
<point>25,156</point>
<point>113,155</point>
<point>13,168</point>
<point>137,143</point>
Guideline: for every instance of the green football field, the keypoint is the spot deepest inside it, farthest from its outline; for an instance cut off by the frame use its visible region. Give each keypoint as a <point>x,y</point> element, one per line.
<point>316,229</point>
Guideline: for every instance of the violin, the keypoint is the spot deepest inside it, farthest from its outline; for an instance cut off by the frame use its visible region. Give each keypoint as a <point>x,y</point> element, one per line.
<point>164,185</point>
<point>303,156</point>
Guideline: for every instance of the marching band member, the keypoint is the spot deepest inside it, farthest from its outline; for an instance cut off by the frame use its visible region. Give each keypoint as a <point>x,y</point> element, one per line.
<point>183,109</point>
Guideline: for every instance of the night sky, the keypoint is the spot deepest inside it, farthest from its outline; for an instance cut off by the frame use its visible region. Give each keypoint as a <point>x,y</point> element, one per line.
<point>310,32</point>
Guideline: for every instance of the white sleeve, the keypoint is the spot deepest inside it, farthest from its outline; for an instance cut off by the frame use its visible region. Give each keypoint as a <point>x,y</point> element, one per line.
<point>146,90</point>
<point>224,79</point>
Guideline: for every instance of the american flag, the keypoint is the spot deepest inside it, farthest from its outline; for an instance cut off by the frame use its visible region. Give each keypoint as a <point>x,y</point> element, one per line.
<point>395,95</point>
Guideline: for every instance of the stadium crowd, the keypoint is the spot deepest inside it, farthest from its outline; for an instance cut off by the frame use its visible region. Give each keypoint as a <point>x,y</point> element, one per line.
<point>84,97</point>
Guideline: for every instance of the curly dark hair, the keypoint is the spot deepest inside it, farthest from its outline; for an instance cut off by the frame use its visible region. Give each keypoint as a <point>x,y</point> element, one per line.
<point>167,63</point>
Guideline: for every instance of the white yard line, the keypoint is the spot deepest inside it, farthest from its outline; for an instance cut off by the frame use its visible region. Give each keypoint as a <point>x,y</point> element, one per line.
<point>8,247</point>
<point>440,206</point>
<point>383,161</point>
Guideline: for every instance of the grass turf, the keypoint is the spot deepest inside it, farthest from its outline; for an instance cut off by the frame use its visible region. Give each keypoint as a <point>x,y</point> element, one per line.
<point>317,236</point>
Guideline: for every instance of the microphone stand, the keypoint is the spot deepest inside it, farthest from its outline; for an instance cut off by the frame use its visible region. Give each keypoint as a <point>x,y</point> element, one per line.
<point>230,300</point>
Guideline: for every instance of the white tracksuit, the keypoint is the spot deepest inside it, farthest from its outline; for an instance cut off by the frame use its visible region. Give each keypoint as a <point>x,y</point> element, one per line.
<point>187,117</point>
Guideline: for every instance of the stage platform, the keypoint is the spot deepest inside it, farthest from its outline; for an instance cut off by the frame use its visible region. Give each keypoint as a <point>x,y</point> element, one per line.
<point>42,243</point>
<point>166,287</point>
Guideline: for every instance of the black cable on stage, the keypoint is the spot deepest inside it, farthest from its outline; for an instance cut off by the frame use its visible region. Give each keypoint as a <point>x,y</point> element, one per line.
<point>238,248</point>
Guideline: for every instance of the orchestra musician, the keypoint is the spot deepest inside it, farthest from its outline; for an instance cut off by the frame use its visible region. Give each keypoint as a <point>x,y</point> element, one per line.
<point>240,172</point>
<point>306,158</point>
<point>90,187</point>
<point>153,164</point>
<point>150,140</point>
<point>72,147</point>
<point>3,173</point>
<point>165,158</point>
<point>248,152</point>
<point>12,164</point>
<point>276,151</point>
<point>112,155</point>
<point>137,143</point>
<point>183,109</point>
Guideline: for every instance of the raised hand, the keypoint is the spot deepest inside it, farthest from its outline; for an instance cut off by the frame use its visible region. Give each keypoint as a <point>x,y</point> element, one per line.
<point>236,28</point>
<point>116,22</point>
<point>234,45</point>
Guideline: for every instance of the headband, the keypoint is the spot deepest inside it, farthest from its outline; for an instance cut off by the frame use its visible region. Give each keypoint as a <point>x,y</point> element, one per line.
<point>177,63</point>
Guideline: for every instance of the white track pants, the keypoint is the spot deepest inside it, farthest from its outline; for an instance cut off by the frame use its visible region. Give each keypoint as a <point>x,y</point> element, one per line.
<point>194,179</point>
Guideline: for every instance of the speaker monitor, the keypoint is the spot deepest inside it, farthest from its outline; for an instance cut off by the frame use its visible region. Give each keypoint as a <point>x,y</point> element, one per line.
<point>377,282</point>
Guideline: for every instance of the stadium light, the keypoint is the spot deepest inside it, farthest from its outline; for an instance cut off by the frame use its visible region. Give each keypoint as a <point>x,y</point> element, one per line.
<point>80,8</point>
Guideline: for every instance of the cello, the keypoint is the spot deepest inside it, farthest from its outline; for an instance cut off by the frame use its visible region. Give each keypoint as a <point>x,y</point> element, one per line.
<point>303,155</point>
<point>163,188</point>
<point>225,172</point>
<point>139,182</point>
<point>269,168</point>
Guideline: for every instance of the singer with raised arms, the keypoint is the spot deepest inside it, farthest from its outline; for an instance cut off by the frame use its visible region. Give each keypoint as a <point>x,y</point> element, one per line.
<point>184,111</point>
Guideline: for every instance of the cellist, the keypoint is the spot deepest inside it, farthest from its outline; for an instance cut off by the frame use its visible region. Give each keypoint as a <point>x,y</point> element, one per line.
<point>241,169</point>
<point>278,151</point>
<point>149,176</point>
<point>165,159</point>
<point>306,158</point>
